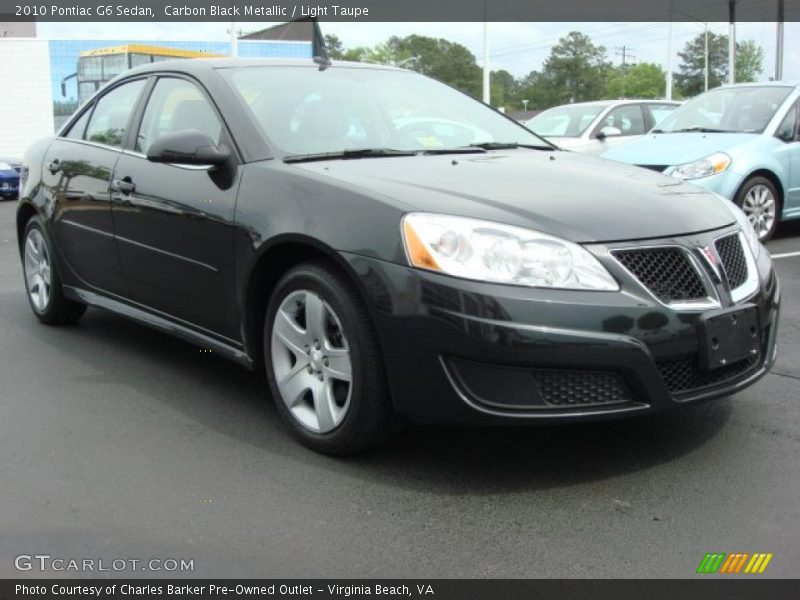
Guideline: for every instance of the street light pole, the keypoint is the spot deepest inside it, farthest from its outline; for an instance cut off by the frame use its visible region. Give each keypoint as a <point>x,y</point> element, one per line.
<point>731,41</point>
<point>779,44</point>
<point>487,97</point>
<point>669,55</point>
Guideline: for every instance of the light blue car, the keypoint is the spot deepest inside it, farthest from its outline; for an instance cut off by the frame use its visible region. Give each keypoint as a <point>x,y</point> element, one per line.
<point>741,141</point>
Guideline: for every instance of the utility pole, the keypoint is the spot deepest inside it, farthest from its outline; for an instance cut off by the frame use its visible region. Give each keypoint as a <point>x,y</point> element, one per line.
<point>779,44</point>
<point>234,41</point>
<point>624,52</point>
<point>731,41</point>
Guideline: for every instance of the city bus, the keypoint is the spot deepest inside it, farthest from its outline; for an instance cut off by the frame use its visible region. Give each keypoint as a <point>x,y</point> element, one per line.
<point>97,67</point>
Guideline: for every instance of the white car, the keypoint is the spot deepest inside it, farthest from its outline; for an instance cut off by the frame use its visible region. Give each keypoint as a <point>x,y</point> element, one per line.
<point>595,127</point>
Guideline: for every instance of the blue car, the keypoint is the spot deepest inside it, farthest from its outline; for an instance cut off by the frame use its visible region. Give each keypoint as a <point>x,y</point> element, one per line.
<point>9,177</point>
<point>740,141</point>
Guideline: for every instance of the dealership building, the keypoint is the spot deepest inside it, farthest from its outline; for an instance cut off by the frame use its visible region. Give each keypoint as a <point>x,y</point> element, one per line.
<point>42,78</point>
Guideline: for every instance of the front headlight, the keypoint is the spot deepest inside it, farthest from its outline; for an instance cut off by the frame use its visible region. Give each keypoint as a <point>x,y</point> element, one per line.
<point>705,167</point>
<point>487,251</point>
<point>747,227</point>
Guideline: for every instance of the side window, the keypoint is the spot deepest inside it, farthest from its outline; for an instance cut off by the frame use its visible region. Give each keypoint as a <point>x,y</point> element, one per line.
<point>789,129</point>
<point>79,127</point>
<point>112,114</point>
<point>628,119</point>
<point>176,105</point>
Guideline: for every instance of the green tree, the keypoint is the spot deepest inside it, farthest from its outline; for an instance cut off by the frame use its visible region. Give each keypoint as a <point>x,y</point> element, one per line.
<point>335,46</point>
<point>504,88</point>
<point>441,59</point>
<point>690,80</point>
<point>575,70</point>
<point>749,61</point>
<point>645,80</point>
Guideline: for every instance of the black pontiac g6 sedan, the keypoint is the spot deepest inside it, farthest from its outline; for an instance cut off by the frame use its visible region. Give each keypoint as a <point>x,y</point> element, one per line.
<point>384,245</point>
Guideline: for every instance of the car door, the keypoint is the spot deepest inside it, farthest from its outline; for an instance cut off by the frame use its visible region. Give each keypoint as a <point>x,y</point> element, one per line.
<point>174,223</point>
<point>628,118</point>
<point>788,152</point>
<point>77,174</point>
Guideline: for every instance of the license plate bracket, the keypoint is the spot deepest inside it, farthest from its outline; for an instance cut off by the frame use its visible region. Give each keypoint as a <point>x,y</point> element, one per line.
<point>728,335</point>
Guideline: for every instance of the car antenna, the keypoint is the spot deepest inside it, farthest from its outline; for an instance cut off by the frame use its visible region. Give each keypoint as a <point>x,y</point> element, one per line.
<point>319,51</point>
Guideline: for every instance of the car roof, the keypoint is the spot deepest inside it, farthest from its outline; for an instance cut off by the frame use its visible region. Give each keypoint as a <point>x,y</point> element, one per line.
<point>791,84</point>
<point>607,103</point>
<point>204,65</point>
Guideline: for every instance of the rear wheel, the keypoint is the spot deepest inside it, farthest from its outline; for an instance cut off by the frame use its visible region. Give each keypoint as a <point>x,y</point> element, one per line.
<point>758,198</point>
<point>323,362</point>
<point>42,280</point>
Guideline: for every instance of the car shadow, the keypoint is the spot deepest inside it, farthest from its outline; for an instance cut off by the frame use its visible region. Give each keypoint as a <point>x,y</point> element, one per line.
<point>787,229</point>
<point>224,397</point>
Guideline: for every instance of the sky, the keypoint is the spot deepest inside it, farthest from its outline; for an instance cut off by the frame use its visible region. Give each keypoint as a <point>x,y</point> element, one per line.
<point>516,47</point>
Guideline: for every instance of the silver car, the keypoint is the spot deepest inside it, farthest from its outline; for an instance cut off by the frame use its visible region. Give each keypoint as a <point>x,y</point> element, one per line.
<point>595,127</point>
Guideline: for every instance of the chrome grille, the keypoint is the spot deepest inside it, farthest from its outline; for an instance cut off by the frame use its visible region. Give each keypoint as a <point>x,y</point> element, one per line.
<point>667,272</point>
<point>733,260</point>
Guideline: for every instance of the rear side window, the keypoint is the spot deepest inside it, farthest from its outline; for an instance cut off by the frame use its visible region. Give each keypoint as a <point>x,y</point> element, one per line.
<point>112,114</point>
<point>176,105</point>
<point>79,127</point>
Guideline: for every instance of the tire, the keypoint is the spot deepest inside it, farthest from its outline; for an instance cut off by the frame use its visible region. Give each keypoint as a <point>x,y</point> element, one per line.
<point>759,200</point>
<point>324,411</point>
<point>42,279</point>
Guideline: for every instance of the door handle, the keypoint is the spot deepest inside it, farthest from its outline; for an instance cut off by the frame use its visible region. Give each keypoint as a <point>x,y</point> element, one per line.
<point>124,186</point>
<point>54,166</point>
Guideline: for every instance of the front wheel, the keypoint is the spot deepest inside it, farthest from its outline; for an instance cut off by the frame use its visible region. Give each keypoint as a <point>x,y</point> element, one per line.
<point>42,280</point>
<point>758,198</point>
<point>323,361</point>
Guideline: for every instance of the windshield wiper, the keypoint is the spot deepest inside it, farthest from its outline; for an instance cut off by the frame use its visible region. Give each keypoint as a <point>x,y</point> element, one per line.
<point>348,154</point>
<point>509,146</point>
<point>701,130</point>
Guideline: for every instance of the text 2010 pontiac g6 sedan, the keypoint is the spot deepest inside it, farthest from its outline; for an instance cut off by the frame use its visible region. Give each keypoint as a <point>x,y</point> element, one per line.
<point>384,245</point>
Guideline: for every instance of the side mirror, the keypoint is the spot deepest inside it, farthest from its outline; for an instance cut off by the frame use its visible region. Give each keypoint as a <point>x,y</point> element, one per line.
<point>187,147</point>
<point>607,132</point>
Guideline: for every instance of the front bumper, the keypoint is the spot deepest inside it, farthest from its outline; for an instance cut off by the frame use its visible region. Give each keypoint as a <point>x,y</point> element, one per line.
<point>473,352</point>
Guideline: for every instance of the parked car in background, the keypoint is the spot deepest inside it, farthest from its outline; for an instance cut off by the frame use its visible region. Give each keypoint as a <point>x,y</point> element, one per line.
<point>742,142</point>
<point>314,223</point>
<point>595,127</point>
<point>9,177</point>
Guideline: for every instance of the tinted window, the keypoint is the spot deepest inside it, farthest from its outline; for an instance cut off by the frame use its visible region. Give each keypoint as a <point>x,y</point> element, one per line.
<point>112,114</point>
<point>76,131</point>
<point>628,119</point>
<point>176,105</point>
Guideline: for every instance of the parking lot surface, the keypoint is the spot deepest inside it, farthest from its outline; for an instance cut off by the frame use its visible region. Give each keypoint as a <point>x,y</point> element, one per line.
<point>120,442</point>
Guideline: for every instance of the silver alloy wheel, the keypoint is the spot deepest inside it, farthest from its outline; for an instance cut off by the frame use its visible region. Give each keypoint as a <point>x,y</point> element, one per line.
<point>37,270</point>
<point>311,361</point>
<point>760,207</point>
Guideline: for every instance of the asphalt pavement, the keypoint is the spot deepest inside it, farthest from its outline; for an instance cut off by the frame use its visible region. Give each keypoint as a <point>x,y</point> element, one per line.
<point>119,442</point>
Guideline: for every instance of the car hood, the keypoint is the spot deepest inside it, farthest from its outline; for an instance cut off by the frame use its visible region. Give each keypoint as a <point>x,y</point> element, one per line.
<point>577,197</point>
<point>670,149</point>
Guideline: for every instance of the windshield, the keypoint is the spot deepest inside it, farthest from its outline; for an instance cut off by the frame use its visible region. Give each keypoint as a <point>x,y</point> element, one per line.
<point>565,121</point>
<point>303,110</point>
<point>730,110</point>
